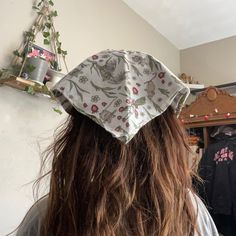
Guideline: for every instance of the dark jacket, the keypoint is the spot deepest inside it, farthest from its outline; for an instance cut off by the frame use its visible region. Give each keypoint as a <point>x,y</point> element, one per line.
<point>218,170</point>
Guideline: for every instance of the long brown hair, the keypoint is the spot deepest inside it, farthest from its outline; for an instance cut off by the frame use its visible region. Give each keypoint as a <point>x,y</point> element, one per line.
<point>103,187</point>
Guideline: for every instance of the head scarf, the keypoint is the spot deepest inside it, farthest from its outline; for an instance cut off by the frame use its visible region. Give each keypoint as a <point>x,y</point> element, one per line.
<point>121,91</point>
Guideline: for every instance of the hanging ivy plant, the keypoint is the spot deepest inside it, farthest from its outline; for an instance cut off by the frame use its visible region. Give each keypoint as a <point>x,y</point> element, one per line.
<point>44,24</point>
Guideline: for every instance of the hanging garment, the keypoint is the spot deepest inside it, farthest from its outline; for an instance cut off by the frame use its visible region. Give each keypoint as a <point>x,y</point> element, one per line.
<point>226,225</point>
<point>218,170</point>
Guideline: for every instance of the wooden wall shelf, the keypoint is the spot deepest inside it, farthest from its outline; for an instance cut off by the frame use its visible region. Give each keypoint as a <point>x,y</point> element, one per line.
<point>23,84</point>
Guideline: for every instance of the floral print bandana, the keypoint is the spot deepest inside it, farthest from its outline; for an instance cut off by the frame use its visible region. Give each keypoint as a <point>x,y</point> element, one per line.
<point>121,91</point>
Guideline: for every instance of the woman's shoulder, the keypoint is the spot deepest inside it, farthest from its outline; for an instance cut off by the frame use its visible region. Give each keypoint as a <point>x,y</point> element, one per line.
<point>205,223</point>
<point>32,221</point>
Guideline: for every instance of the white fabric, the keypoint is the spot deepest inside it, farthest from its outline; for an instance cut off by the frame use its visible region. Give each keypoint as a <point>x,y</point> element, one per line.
<point>121,91</point>
<point>204,221</point>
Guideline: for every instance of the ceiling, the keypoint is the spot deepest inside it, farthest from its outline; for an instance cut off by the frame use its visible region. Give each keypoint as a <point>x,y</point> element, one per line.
<point>188,23</point>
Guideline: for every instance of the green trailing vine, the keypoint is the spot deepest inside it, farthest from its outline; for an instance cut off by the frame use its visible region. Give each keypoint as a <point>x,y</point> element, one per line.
<point>43,24</point>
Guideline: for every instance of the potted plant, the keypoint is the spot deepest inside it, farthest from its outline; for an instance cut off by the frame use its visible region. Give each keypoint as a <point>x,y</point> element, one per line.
<point>28,61</point>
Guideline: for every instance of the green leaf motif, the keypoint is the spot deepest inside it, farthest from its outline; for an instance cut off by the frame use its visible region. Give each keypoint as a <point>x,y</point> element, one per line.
<point>35,8</point>
<point>16,53</point>
<point>78,89</point>
<point>164,92</point>
<point>107,90</point>
<point>29,68</point>
<point>71,86</point>
<point>57,110</point>
<point>64,53</point>
<point>40,3</point>
<point>48,25</point>
<point>55,65</point>
<point>54,13</point>
<point>15,69</point>
<point>59,51</point>
<point>51,3</point>
<point>157,107</point>
<point>30,90</point>
<point>150,63</point>
<point>127,90</point>
<point>29,34</point>
<point>46,42</point>
<point>46,34</point>
<point>57,35</point>
<point>3,72</point>
<point>123,94</point>
<point>136,70</point>
<point>85,91</point>
<point>157,65</point>
<point>141,101</point>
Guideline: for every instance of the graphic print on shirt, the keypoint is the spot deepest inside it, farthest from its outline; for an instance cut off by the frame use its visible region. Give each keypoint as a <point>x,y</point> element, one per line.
<point>225,154</point>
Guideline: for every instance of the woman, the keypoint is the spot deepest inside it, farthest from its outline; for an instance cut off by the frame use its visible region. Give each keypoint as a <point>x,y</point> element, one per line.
<point>119,164</point>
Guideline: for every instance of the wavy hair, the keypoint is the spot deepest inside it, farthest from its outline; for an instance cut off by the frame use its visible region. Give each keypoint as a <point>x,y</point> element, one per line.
<point>102,187</point>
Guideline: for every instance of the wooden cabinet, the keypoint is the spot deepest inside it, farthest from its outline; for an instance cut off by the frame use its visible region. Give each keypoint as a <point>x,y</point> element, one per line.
<point>212,107</point>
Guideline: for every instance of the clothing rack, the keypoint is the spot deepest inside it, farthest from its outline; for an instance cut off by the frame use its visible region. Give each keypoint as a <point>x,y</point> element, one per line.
<point>212,107</point>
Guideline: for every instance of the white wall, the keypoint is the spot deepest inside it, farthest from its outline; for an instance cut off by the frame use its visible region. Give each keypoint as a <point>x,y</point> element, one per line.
<point>211,63</point>
<point>86,27</point>
<point>26,125</point>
